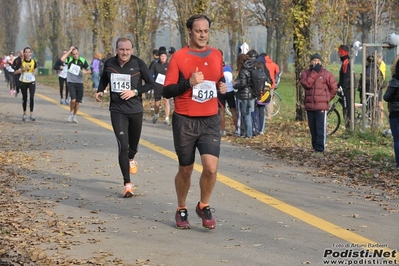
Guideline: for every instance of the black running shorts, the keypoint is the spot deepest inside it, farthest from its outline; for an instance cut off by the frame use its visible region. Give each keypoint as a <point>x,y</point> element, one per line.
<point>190,133</point>
<point>157,93</point>
<point>227,97</point>
<point>76,91</point>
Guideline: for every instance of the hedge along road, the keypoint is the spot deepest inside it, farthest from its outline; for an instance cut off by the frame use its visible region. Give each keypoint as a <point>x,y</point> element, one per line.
<point>268,212</point>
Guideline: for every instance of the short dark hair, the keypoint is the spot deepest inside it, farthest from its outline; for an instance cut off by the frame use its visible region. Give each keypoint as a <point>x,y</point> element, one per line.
<point>123,39</point>
<point>191,20</point>
<point>27,48</point>
<point>155,52</point>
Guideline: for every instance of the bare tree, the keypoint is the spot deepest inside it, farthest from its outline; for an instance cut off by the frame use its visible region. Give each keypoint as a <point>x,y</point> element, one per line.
<point>108,9</point>
<point>39,29</point>
<point>57,33</point>
<point>184,10</point>
<point>9,19</point>
<point>302,12</point>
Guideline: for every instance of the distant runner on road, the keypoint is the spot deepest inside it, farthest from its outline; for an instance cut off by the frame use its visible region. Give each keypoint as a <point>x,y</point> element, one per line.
<point>28,71</point>
<point>77,67</point>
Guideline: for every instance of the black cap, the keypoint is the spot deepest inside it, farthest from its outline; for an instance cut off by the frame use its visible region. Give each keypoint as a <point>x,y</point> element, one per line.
<point>155,52</point>
<point>316,56</point>
<point>252,54</point>
<point>370,58</point>
<point>172,50</point>
<point>161,52</point>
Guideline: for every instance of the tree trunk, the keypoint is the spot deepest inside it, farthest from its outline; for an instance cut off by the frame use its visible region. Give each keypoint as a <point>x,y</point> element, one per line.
<point>302,10</point>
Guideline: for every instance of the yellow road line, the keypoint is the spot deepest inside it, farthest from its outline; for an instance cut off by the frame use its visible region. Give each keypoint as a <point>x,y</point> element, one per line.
<point>308,218</point>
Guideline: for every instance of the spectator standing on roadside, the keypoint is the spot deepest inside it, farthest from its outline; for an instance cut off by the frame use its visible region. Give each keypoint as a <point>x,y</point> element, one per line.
<point>77,67</point>
<point>241,58</point>
<point>383,68</point>
<point>320,88</point>
<point>344,82</point>
<point>62,70</point>
<point>392,97</point>
<point>95,67</point>
<point>274,71</point>
<point>28,72</point>
<point>194,75</point>
<point>125,73</point>
<point>244,93</point>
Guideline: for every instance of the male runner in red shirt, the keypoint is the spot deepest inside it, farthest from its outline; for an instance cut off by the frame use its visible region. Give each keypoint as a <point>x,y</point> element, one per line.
<point>194,76</point>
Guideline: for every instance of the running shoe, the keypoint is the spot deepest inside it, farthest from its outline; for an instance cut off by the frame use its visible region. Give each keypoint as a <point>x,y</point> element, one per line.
<point>167,122</point>
<point>206,215</point>
<point>32,118</point>
<point>62,101</point>
<point>128,192</point>
<point>66,102</point>
<point>223,133</point>
<point>154,120</point>
<point>69,118</point>
<point>133,166</point>
<point>24,118</point>
<point>182,219</point>
<point>75,119</point>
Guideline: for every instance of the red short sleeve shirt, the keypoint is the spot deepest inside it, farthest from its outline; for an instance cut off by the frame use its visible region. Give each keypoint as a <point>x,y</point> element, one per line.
<point>182,64</point>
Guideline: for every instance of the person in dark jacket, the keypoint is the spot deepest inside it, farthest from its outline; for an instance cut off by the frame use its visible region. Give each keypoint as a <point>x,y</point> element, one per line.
<point>372,86</point>
<point>241,58</point>
<point>244,93</point>
<point>345,82</point>
<point>392,97</point>
<point>320,88</point>
<point>158,70</point>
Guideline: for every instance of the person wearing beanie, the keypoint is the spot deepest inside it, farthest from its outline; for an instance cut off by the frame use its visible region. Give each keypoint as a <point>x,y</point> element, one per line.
<point>345,83</point>
<point>371,85</point>
<point>161,52</point>
<point>320,88</point>
<point>252,54</point>
<point>158,69</point>
<point>391,96</point>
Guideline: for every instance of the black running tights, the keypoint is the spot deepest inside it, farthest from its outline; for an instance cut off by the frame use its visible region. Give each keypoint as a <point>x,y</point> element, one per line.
<point>24,91</point>
<point>127,129</point>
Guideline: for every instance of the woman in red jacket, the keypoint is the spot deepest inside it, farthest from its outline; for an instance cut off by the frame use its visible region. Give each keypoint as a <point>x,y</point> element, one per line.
<point>320,88</point>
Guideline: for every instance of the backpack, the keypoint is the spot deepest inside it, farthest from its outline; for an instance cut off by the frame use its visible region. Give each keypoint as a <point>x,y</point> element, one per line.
<point>259,84</point>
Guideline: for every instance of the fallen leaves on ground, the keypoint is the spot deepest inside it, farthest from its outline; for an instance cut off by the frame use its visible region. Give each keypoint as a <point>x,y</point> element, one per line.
<point>346,163</point>
<point>28,224</point>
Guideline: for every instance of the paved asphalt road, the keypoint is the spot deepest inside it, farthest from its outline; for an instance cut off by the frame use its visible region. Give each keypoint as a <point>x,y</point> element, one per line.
<point>268,212</point>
